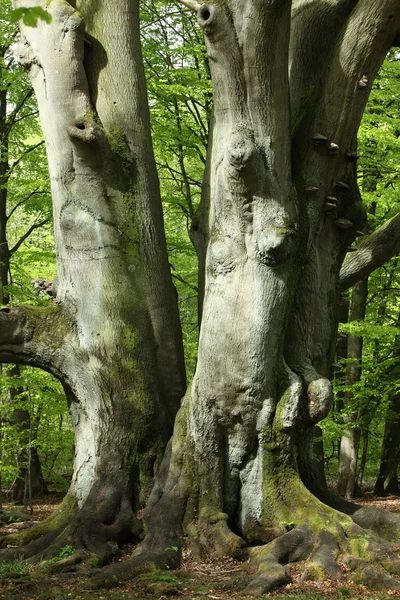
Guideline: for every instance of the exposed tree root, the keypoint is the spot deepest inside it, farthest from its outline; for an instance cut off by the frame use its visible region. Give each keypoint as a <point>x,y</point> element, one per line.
<point>344,550</point>
<point>93,531</point>
<point>337,548</point>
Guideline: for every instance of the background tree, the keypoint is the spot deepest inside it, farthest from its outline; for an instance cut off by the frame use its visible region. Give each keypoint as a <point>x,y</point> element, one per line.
<point>366,401</point>
<point>24,209</point>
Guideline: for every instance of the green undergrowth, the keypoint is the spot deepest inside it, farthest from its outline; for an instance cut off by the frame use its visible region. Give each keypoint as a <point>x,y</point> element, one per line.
<point>14,569</point>
<point>19,581</point>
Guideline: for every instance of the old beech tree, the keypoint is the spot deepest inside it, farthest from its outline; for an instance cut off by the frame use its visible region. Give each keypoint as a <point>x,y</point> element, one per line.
<point>280,208</point>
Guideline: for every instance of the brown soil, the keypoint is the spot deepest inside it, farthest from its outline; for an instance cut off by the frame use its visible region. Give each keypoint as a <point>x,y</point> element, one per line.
<point>196,580</point>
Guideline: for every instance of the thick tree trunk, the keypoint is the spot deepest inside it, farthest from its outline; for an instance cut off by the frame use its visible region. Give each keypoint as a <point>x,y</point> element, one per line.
<point>242,440</point>
<point>115,339</point>
<point>243,437</point>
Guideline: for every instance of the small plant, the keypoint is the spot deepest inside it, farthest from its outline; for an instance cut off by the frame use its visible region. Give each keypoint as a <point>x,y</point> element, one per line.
<point>289,525</point>
<point>13,569</point>
<point>66,552</point>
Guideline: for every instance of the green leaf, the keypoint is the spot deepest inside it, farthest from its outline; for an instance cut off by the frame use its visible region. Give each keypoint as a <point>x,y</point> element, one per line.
<point>30,16</point>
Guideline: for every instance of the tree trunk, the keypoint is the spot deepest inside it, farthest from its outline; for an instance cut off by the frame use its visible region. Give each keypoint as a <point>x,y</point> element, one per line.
<point>29,483</point>
<point>112,336</point>
<point>20,417</point>
<point>318,455</point>
<point>232,474</point>
<point>387,481</point>
<point>243,437</point>
<point>349,442</point>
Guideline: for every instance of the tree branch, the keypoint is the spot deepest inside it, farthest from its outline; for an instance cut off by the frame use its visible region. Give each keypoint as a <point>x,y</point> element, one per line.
<point>27,233</point>
<point>192,4</point>
<point>13,115</point>
<point>21,202</point>
<point>34,335</point>
<point>179,278</point>
<point>372,253</point>
<point>31,149</point>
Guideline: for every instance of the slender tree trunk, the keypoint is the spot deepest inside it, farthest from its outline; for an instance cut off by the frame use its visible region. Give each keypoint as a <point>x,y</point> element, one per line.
<point>29,483</point>
<point>20,418</point>
<point>363,460</point>
<point>387,481</point>
<point>318,455</point>
<point>351,436</point>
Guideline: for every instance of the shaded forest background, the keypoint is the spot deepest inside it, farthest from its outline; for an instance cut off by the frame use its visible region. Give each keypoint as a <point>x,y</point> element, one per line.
<point>36,438</point>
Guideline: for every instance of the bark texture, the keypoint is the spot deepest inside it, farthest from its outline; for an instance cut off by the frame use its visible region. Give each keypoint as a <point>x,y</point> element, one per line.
<point>116,344</point>
<point>280,208</point>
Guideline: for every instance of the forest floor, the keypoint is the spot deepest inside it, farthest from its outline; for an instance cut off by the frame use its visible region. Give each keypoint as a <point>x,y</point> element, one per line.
<point>205,580</point>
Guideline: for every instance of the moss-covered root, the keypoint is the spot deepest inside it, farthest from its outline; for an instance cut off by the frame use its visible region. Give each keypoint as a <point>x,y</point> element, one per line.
<point>34,540</point>
<point>366,558</point>
<point>142,561</point>
<point>211,535</point>
<point>105,520</point>
<point>270,560</point>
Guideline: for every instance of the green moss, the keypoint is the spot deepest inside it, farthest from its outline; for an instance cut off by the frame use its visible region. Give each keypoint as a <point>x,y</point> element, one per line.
<point>359,547</point>
<point>119,147</point>
<point>60,518</point>
<point>315,572</point>
<point>92,115</point>
<point>289,229</point>
<point>42,319</point>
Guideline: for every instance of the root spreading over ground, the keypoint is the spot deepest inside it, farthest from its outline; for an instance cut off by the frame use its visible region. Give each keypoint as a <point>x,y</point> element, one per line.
<point>349,556</point>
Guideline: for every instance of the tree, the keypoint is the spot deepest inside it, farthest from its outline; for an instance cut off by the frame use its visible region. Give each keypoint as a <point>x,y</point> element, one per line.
<point>280,207</point>
<point>19,160</point>
<point>115,343</point>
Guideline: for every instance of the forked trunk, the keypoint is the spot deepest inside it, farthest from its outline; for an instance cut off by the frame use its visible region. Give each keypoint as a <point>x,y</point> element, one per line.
<point>282,206</point>
<point>280,218</point>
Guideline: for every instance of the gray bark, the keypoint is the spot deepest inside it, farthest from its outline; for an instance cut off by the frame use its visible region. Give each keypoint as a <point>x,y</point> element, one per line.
<point>371,253</point>
<point>241,444</point>
<point>273,259</point>
<point>116,346</point>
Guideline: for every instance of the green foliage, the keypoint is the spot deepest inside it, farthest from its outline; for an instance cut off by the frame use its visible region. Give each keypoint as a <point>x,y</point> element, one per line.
<point>66,552</point>
<point>180,98</point>
<point>364,403</point>
<point>15,569</point>
<point>30,16</point>
<point>43,399</point>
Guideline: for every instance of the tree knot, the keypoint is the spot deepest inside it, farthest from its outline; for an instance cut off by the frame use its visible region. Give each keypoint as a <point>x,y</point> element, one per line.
<point>85,131</point>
